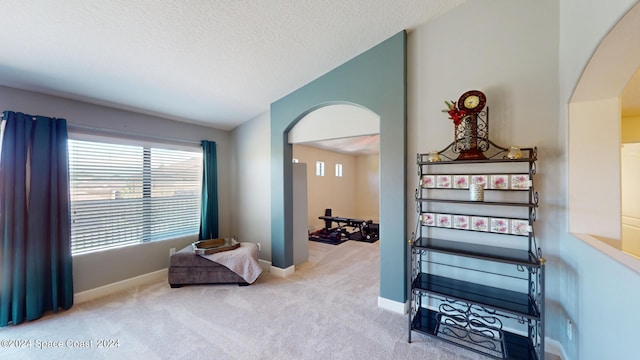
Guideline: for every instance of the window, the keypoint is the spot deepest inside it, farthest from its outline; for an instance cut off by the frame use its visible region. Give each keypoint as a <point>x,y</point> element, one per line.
<point>127,194</point>
<point>339,170</point>
<point>319,168</point>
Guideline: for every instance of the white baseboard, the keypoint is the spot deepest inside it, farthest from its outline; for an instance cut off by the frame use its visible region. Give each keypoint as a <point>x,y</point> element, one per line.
<point>282,272</point>
<point>264,264</point>
<point>395,306</point>
<point>92,294</point>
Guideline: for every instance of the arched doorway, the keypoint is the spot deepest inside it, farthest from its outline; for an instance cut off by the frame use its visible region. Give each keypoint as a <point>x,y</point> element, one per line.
<point>376,80</point>
<point>594,138</point>
<point>345,138</point>
<point>333,121</point>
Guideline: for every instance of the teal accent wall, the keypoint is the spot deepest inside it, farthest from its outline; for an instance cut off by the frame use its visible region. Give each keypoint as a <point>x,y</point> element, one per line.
<point>375,80</point>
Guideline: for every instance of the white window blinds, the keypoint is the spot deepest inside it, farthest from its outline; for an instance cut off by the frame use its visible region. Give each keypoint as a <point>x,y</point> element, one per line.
<point>123,194</point>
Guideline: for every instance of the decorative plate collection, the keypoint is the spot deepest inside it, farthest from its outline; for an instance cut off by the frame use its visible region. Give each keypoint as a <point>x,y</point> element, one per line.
<point>495,182</point>
<point>477,223</point>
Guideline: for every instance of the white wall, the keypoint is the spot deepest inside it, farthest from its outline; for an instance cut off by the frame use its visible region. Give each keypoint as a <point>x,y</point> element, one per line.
<point>630,191</point>
<point>97,269</point>
<point>630,129</point>
<point>594,162</point>
<point>368,187</point>
<point>251,178</point>
<point>329,191</point>
<point>630,173</point>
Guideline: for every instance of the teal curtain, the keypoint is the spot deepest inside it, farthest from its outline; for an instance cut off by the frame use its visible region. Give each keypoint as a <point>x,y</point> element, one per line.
<point>209,198</point>
<point>35,248</point>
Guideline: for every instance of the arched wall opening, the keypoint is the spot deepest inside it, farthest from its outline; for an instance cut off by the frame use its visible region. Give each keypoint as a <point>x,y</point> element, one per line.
<point>594,140</point>
<point>345,138</point>
<point>376,80</point>
<point>335,121</point>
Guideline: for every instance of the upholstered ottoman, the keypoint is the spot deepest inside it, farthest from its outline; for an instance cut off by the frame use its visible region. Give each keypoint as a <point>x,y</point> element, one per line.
<point>187,268</point>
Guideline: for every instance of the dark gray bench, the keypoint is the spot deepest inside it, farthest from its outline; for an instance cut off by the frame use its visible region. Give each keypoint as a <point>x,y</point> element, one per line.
<point>187,268</point>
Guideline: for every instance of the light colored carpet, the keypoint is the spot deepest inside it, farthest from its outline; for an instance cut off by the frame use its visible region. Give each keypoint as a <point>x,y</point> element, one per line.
<point>326,310</point>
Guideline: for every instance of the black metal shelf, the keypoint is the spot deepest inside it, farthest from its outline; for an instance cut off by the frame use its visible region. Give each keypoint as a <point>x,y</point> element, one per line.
<point>513,302</point>
<point>487,161</point>
<point>515,346</point>
<point>493,154</point>
<point>492,203</point>
<point>484,252</point>
<point>456,309</point>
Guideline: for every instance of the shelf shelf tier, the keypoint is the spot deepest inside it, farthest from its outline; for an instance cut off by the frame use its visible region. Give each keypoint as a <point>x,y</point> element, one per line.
<point>494,154</point>
<point>524,258</point>
<point>494,203</point>
<point>505,346</point>
<point>512,303</point>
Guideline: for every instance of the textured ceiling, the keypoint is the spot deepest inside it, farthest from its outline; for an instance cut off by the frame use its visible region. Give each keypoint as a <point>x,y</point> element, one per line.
<point>214,62</point>
<point>358,145</point>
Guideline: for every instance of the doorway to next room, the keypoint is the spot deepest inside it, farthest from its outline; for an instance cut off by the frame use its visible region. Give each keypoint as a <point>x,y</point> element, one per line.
<point>336,177</point>
<point>343,188</point>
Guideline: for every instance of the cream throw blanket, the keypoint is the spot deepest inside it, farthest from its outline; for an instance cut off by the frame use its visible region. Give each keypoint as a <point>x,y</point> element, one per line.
<point>242,261</point>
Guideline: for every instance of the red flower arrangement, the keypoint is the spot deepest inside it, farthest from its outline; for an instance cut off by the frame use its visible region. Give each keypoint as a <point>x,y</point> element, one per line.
<point>454,113</point>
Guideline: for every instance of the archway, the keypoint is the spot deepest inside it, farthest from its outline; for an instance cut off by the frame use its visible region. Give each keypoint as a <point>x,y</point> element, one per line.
<point>334,121</point>
<point>376,80</point>
<point>345,137</point>
<point>594,138</point>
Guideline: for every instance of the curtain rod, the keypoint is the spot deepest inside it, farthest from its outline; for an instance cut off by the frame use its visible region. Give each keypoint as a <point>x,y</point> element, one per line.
<point>127,134</point>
